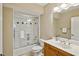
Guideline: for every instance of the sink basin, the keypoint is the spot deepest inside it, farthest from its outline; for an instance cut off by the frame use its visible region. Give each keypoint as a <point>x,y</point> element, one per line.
<point>58,42</point>
<point>68,43</point>
<point>74,46</point>
<point>74,42</point>
<point>54,41</point>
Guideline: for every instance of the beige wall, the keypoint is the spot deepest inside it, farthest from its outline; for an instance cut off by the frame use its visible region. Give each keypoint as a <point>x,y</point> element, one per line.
<point>65,21</point>
<point>7,31</point>
<point>46,22</point>
<point>26,6</point>
<point>0,28</point>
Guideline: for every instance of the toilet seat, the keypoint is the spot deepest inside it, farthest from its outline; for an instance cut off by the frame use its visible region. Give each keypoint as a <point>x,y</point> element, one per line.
<point>37,48</point>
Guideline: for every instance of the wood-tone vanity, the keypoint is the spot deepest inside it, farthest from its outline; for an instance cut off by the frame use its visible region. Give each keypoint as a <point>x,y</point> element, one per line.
<point>50,50</point>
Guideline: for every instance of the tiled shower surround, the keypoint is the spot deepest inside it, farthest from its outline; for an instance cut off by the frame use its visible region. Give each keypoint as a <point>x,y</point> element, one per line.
<point>26,29</point>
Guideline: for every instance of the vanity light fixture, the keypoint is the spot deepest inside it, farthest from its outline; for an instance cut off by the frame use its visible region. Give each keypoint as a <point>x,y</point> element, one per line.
<point>17,22</point>
<point>31,23</point>
<point>64,6</point>
<point>24,22</point>
<point>35,23</point>
<point>29,20</point>
<point>75,4</point>
<point>57,9</point>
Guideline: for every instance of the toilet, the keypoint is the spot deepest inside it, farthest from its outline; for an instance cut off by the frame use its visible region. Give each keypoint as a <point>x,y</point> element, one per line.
<point>37,49</point>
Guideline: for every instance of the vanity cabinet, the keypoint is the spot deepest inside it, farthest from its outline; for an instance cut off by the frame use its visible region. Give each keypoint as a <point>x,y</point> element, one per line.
<point>54,51</point>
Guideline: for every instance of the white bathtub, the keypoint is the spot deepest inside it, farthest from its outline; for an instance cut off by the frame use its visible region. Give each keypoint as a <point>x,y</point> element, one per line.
<point>23,51</point>
<point>26,50</point>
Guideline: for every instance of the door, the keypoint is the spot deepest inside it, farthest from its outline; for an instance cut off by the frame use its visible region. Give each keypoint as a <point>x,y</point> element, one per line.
<point>75,28</point>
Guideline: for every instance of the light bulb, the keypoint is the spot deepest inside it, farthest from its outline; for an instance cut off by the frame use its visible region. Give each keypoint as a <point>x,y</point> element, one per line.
<point>57,9</point>
<point>29,20</point>
<point>75,4</point>
<point>64,6</point>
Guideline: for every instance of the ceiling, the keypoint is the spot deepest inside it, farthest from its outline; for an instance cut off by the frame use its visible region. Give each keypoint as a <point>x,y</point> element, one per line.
<point>42,4</point>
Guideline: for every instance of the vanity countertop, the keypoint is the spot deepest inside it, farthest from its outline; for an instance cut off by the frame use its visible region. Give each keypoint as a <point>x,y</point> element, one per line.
<point>73,49</point>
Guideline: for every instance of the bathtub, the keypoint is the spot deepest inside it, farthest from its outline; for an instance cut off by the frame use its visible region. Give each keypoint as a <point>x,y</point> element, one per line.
<point>24,51</point>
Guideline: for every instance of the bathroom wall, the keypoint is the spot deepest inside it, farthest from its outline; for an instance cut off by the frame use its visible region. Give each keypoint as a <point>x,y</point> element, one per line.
<point>37,9</point>
<point>46,22</point>
<point>0,28</point>
<point>64,20</point>
<point>7,31</point>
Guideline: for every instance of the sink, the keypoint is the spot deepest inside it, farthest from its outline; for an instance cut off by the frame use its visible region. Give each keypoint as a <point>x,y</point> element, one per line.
<point>58,42</point>
<point>54,41</point>
<point>67,45</point>
<point>75,42</point>
<point>74,46</point>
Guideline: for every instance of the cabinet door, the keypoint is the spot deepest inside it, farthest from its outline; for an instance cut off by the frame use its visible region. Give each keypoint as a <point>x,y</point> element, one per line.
<point>49,50</point>
<point>63,53</point>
